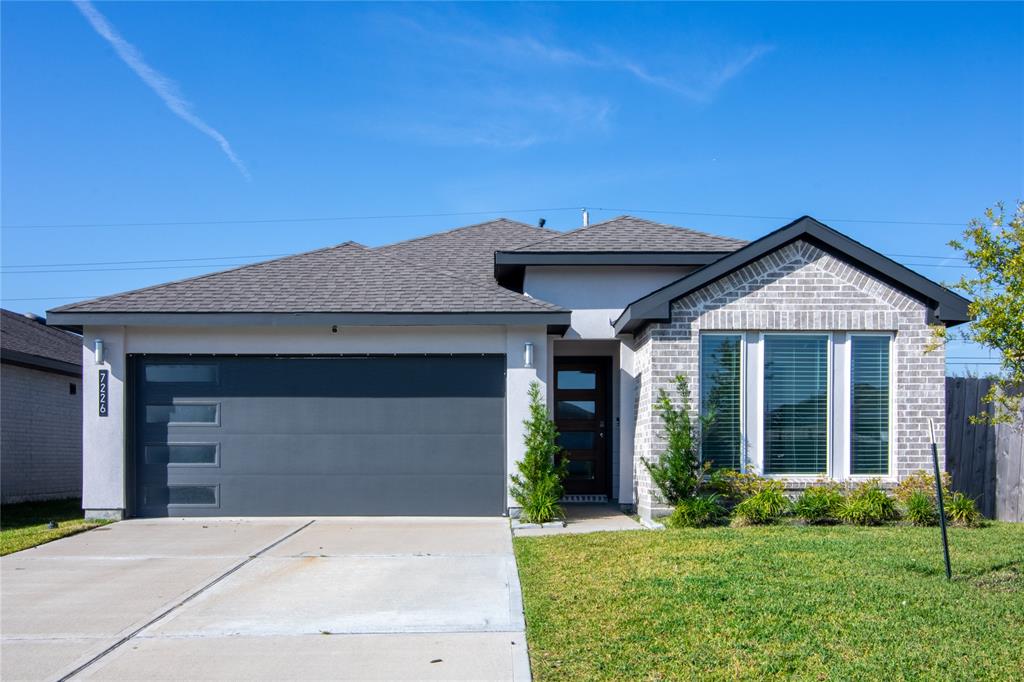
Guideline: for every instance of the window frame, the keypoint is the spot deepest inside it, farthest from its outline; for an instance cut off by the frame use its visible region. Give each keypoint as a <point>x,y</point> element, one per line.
<point>829,471</point>
<point>176,465</point>
<point>187,401</point>
<point>742,337</point>
<point>847,463</point>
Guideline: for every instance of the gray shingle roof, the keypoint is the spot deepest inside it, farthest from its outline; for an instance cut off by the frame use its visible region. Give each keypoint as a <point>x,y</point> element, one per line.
<point>339,279</point>
<point>22,335</point>
<point>468,251</point>
<point>627,233</point>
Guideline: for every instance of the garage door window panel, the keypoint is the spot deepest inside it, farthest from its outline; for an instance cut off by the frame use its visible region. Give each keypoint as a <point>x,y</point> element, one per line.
<point>177,414</point>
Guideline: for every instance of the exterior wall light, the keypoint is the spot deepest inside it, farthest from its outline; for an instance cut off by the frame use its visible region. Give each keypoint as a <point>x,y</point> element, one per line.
<point>528,355</point>
<point>98,351</point>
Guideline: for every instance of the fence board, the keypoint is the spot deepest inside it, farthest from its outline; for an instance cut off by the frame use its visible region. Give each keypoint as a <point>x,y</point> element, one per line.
<point>986,462</point>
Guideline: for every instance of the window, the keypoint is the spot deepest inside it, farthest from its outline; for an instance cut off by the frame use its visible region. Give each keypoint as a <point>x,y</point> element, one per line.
<point>721,396</point>
<point>796,380</point>
<point>576,440</point>
<point>182,413</point>
<point>576,409</point>
<point>577,379</point>
<point>869,405</point>
<point>181,373</point>
<point>182,453</point>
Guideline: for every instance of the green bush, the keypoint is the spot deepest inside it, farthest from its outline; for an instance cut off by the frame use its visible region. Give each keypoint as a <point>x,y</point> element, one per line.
<point>961,511</point>
<point>678,473</point>
<point>819,504</point>
<point>696,512</point>
<point>537,487</point>
<point>921,509</point>
<point>921,482</point>
<point>734,487</point>
<point>868,505</point>
<point>763,507</point>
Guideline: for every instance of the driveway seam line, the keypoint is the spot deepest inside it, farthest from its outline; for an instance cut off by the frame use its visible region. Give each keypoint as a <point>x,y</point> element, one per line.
<point>181,603</point>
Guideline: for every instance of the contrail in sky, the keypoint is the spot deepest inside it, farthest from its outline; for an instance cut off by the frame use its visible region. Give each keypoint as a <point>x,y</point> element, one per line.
<point>161,85</point>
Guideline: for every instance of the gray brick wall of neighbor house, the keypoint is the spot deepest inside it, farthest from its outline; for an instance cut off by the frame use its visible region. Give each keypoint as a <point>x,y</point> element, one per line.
<point>797,288</point>
<point>41,441</point>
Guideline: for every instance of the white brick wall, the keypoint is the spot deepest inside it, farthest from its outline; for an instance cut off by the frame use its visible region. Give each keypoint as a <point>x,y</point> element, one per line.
<point>798,288</point>
<point>40,435</point>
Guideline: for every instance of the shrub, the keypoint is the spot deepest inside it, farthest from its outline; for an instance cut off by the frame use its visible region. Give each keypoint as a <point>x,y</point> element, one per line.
<point>696,512</point>
<point>961,511</point>
<point>763,507</point>
<point>733,486</point>
<point>868,505</point>
<point>921,509</point>
<point>678,473</point>
<point>538,485</point>
<point>819,504</point>
<point>922,482</point>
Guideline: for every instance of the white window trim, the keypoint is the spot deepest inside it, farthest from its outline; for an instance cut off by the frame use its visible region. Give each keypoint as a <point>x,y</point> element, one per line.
<point>847,468</point>
<point>760,451</point>
<point>743,377</point>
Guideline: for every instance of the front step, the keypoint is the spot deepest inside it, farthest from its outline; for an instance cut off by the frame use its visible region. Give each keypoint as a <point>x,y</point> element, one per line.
<point>584,499</point>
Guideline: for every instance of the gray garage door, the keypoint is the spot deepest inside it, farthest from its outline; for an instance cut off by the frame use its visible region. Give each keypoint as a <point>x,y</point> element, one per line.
<point>265,436</point>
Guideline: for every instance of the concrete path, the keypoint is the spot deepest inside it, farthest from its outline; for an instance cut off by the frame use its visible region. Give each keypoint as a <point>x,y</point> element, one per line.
<point>584,518</point>
<point>254,599</point>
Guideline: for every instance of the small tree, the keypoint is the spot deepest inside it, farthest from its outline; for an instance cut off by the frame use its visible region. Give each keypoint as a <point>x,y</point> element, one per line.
<point>538,485</point>
<point>678,473</point>
<point>994,247</point>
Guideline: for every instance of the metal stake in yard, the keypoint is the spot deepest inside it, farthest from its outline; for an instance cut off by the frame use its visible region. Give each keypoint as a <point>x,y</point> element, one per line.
<point>938,499</point>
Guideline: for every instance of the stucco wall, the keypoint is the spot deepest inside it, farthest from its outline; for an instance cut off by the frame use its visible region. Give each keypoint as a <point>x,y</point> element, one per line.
<point>104,437</point>
<point>41,435</point>
<point>798,288</point>
<point>596,294</point>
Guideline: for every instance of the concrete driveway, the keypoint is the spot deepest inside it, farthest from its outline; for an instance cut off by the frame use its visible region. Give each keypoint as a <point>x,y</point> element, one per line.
<point>173,599</point>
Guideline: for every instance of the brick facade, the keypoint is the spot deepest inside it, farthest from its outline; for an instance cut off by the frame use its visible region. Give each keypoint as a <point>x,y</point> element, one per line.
<point>797,288</point>
<point>41,444</point>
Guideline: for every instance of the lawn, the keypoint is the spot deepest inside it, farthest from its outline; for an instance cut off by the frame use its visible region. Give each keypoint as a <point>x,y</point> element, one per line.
<point>24,525</point>
<point>836,603</point>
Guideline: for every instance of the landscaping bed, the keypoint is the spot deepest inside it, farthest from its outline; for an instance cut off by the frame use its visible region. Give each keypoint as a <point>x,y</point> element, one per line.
<point>792,601</point>
<point>26,524</point>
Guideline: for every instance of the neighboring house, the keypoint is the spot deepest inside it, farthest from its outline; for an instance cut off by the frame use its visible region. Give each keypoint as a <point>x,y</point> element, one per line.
<point>40,410</point>
<point>394,380</point>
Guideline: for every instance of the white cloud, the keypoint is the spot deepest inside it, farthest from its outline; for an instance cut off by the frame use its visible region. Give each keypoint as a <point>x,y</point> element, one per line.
<point>157,82</point>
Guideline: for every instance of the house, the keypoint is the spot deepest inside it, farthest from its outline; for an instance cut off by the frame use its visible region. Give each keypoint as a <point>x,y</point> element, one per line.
<point>40,410</point>
<point>393,380</point>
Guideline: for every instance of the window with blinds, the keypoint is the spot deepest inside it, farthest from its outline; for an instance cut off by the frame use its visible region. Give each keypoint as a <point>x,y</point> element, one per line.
<point>795,403</point>
<point>720,396</point>
<point>869,405</point>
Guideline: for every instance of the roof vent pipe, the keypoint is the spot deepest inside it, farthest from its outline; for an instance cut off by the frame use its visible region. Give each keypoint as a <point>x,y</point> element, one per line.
<point>586,218</point>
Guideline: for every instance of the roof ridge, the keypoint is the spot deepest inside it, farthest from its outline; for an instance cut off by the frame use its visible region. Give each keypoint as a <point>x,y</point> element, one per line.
<point>195,278</point>
<point>626,216</point>
<point>464,227</point>
<point>474,283</point>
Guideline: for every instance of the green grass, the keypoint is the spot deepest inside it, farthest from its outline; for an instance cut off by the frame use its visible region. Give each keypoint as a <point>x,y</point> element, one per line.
<point>24,525</point>
<point>836,603</point>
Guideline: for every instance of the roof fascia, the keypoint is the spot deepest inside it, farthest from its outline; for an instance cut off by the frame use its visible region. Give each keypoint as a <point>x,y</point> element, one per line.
<point>14,357</point>
<point>79,319</point>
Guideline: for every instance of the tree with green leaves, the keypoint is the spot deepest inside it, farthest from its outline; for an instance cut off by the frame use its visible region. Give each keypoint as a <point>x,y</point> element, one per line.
<point>994,248</point>
<point>537,487</point>
<point>678,473</point>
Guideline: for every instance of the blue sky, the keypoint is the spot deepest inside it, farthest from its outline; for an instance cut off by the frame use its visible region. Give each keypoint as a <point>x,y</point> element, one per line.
<point>260,112</point>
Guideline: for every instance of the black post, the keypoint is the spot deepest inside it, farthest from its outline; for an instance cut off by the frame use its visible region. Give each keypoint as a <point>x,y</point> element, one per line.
<point>938,499</point>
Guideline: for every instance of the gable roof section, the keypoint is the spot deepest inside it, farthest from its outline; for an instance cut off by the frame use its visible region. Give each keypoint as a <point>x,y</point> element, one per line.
<point>467,251</point>
<point>949,308</point>
<point>348,283</point>
<point>24,341</point>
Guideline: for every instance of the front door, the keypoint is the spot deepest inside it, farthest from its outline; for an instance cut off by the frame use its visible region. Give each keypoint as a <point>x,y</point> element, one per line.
<point>582,417</point>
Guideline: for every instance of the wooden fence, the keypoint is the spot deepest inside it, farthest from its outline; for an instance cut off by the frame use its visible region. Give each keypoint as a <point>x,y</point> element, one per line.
<point>986,462</point>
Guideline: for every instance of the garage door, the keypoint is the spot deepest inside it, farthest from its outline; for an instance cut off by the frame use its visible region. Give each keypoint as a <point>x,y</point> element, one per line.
<point>265,436</point>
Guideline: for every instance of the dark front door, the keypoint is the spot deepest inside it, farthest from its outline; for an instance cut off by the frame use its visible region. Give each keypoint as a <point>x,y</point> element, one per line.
<point>583,419</point>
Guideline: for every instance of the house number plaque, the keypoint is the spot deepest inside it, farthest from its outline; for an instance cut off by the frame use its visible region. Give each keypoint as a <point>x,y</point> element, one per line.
<point>104,393</point>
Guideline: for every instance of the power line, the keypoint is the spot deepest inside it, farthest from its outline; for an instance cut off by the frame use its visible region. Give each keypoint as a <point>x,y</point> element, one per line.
<point>158,260</point>
<point>257,221</point>
<point>452,214</point>
<point>144,267</point>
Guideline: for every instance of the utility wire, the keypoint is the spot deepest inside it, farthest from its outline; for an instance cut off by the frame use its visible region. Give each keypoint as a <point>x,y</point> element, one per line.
<point>325,219</point>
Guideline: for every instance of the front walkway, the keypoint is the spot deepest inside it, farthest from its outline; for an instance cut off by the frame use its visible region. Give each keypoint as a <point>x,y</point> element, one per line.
<point>173,599</point>
<point>583,518</point>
